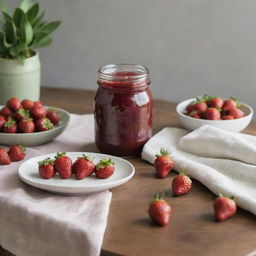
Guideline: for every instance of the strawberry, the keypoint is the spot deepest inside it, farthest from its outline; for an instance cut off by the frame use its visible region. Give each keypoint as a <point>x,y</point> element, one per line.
<point>2,121</point>
<point>38,112</point>
<point>43,124</point>
<point>17,153</point>
<point>38,104</point>
<point>159,210</point>
<point>14,104</point>
<point>53,116</point>
<point>27,104</point>
<point>63,165</point>
<point>215,102</point>
<point>163,163</point>
<point>190,108</point>
<point>181,184</point>
<point>46,168</point>
<point>83,167</point>
<point>21,114</point>
<point>236,113</point>
<point>5,111</point>
<point>10,126</point>
<point>230,104</point>
<point>105,168</point>
<point>200,107</point>
<point>194,114</point>
<point>212,114</point>
<point>224,207</point>
<point>26,126</point>
<point>4,157</point>
<point>227,117</point>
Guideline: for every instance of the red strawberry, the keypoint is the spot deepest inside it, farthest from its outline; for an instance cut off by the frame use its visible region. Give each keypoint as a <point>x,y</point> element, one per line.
<point>190,108</point>
<point>212,114</point>
<point>236,113</point>
<point>194,114</point>
<point>105,168</point>
<point>17,153</point>
<point>160,211</point>
<point>26,126</point>
<point>63,165</point>
<point>215,102</point>
<point>14,104</point>
<point>53,116</point>
<point>2,121</point>
<point>46,168</point>
<point>5,111</point>
<point>21,114</point>
<point>4,157</point>
<point>83,167</point>
<point>227,117</point>
<point>10,126</point>
<point>38,112</point>
<point>181,184</point>
<point>43,124</point>
<point>38,104</point>
<point>224,207</point>
<point>200,107</point>
<point>230,104</point>
<point>163,163</point>
<point>27,104</point>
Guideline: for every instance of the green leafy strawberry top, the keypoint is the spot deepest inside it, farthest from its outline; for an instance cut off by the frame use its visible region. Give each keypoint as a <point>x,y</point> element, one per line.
<point>47,161</point>
<point>158,197</point>
<point>86,157</point>
<point>10,122</point>
<point>163,152</point>
<point>104,163</point>
<point>23,112</point>
<point>59,155</point>
<point>23,149</point>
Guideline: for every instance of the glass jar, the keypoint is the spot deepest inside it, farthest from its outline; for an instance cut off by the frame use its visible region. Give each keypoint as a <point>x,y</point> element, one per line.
<point>123,109</point>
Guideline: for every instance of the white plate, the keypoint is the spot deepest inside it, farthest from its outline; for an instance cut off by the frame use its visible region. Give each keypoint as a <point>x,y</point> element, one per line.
<point>28,172</point>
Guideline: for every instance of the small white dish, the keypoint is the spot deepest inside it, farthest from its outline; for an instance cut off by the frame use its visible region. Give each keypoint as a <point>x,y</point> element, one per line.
<point>37,138</point>
<point>28,172</point>
<point>234,125</point>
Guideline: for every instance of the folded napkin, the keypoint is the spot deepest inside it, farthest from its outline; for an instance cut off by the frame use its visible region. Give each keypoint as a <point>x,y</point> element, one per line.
<point>35,222</point>
<point>222,161</point>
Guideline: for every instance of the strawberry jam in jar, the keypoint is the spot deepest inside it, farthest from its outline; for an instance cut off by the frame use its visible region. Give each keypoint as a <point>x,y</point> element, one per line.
<point>123,109</point>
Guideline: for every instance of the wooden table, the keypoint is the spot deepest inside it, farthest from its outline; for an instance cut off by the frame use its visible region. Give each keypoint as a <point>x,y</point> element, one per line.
<point>192,230</point>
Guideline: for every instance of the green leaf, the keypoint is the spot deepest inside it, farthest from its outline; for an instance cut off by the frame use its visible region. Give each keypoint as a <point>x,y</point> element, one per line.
<point>11,32</point>
<point>4,7</point>
<point>50,27</point>
<point>7,17</point>
<point>32,13</point>
<point>38,20</point>
<point>26,5</point>
<point>18,17</point>
<point>28,32</point>
<point>6,44</point>
<point>42,43</point>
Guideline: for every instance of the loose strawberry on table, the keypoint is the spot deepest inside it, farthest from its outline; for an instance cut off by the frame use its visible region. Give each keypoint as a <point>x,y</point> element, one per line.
<point>83,167</point>
<point>46,168</point>
<point>224,207</point>
<point>163,163</point>
<point>181,184</point>
<point>159,210</point>
<point>105,168</point>
<point>17,153</point>
<point>4,157</point>
<point>63,165</point>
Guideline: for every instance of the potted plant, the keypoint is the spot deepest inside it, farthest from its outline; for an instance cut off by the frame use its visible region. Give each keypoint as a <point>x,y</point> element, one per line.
<point>20,34</point>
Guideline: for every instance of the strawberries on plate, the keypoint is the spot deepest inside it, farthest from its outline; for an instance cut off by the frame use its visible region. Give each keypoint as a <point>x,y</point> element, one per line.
<point>83,167</point>
<point>105,168</point>
<point>46,168</point>
<point>63,165</point>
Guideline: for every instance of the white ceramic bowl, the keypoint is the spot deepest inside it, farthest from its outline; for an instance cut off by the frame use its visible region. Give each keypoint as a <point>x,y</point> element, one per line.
<point>37,138</point>
<point>234,125</point>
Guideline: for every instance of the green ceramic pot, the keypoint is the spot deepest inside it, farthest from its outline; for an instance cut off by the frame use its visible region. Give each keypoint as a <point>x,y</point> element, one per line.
<point>20,80</point>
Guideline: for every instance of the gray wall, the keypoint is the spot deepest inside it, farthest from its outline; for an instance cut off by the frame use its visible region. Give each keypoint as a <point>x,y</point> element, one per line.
<point>191,47</point>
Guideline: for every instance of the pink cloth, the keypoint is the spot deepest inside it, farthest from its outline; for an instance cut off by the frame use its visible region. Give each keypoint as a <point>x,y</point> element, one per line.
<point>38,223</point>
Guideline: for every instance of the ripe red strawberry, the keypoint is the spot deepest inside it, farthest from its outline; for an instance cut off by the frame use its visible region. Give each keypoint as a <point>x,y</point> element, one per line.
<point>38,112</point>
<point>181,184</point>
<point>83,167</point>
<point>224,207</point>
<point>230,104</point>
<point>14,104</point>
<point>200,107</point>
<point>26,126</point>
<point>4,157</point>
<point>227,117</point>
<point>215,102</point>
<point>190,108</point>
<point>46,168</point>
<point>53,116</point>
<point>63,165</point>
<point>21,114</point>
<point>5,111</point>
<point>43,124</point>
<point>10,126</point>
<point>2,122</point>
<point>17,153</point>
<point>212,114</point>
<point>38,104</point>
<point>163,163</point>
<point>236,113</point>
<point>194,114</point>
<point>105,168</point>
<point>160,211</point>
<point>27,104</point>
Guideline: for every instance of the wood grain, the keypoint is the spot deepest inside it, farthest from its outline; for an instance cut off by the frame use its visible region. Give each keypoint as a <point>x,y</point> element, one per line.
<point>192,230</point>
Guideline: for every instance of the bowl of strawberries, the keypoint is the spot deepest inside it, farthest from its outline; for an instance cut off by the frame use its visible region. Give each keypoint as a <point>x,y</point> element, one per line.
<point>227,114</point>
<point>30,123</point>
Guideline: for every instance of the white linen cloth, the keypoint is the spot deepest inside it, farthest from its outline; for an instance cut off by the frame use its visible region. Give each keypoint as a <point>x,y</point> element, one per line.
<point>222,161</point>
<point>38,223</point>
